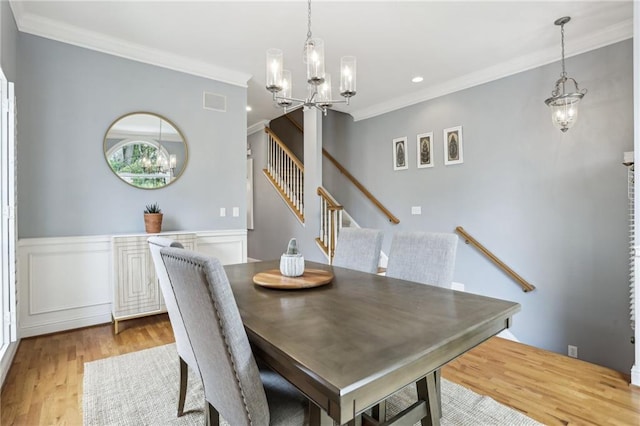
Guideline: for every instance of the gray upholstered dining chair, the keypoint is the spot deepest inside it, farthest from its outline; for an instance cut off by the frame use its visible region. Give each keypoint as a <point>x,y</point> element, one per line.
<point>359,249</point>
<point>233,386</point>
<point>185,353</point>
<point>426,258</point>
<point>423,257</point>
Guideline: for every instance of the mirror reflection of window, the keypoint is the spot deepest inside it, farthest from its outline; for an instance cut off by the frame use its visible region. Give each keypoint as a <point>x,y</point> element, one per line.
<point>145,150</point>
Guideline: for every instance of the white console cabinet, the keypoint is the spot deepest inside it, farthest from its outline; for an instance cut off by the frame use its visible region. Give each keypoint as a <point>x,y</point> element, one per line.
<point>136,291</point>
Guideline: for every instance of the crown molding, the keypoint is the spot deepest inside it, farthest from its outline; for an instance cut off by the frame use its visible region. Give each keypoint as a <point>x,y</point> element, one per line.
<point>257,127</point>
<point>596,40</point>
<point>69,34</point>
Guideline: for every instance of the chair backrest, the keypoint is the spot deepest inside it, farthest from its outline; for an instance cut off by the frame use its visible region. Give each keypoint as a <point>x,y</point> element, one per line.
<point>359,249</point>
<point>228,370</point>
<point>423,257</point>
<point>182,342</point>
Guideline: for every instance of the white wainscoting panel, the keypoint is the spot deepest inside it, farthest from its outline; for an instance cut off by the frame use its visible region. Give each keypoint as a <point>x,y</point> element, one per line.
<point>67,282</point>
<point>229,247</point>
<point>63,283</point>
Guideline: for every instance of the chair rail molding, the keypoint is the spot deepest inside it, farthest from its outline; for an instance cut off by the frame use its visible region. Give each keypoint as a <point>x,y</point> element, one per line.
<point>67,282</point>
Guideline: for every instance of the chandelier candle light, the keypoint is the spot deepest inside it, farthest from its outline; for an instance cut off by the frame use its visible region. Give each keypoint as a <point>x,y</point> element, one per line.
<point>318,82</point>
<point>564,106</point>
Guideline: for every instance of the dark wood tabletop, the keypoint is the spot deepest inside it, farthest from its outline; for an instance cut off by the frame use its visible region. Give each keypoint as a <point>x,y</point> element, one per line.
<point>349,344</point>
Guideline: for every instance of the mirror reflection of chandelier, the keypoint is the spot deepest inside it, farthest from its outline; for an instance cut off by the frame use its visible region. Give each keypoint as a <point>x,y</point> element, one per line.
<point>318,82</point>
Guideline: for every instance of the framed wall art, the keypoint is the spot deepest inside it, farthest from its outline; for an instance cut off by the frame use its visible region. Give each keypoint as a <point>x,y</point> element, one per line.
<point>424,150</point>
<point>453,145</point>
<point>400,160</point>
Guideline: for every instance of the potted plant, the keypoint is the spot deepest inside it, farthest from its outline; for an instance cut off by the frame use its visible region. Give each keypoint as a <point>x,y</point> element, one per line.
<point>152,218</point>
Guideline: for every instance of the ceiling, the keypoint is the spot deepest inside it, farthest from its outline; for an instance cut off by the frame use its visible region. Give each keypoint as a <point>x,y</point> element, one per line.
<point>452,44</point>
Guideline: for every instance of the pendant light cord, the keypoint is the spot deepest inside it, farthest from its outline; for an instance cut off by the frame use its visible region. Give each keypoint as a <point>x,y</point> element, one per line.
<point>309,23</point>
<point>564,73</point>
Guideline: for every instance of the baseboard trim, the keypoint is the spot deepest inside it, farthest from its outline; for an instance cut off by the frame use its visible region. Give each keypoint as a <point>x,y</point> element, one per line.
<point>7,360</point>
<point>635,375</point>
<point>54,327</point>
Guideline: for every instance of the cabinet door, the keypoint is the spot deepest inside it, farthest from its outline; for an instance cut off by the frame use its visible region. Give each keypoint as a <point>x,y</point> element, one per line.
<point>135,288</point>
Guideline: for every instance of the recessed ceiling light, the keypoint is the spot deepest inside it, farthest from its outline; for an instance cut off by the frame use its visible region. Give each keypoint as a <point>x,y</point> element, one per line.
<point>248,108</point>
<point>417,79</point>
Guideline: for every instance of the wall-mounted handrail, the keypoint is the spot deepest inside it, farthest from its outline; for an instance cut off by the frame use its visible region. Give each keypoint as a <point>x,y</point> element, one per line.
<point>295,123</point>
<point>526,287</point>
<point>361,187</point>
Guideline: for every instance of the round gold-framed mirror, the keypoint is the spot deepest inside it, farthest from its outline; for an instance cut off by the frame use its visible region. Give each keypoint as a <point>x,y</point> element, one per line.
<point>145,150</point>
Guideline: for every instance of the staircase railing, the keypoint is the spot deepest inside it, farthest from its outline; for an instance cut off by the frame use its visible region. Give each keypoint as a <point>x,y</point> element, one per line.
<point>286,172</point>
<point>390,216</point>
<point>330,222</point>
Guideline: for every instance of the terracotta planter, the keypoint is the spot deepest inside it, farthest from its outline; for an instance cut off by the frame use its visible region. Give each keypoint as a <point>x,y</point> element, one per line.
<point>152,223</point>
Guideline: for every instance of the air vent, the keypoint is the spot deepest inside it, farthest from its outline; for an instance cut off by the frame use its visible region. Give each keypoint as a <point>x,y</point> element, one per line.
<point>214,102</point>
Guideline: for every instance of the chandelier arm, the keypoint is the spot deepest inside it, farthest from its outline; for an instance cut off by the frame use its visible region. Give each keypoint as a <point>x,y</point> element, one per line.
<point>284,98</point>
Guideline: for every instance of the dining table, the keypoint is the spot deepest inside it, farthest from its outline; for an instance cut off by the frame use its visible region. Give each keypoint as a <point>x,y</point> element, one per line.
<point>351,343</point>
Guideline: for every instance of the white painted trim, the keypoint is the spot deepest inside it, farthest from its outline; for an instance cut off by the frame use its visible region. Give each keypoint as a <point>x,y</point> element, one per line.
<point>635,371</point>
<point>258,127</point>
<point>604,37</point>
<point>506,334</point>
<point>7,360</point>
<point>48,28</point>
<point>220,233</point>
<point>90,276</point>
<point>69,324</point>
<point>282,198</point>
<point>635,375</point>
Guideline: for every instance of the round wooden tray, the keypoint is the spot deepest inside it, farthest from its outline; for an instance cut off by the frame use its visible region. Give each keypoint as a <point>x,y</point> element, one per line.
<point>310,278</point>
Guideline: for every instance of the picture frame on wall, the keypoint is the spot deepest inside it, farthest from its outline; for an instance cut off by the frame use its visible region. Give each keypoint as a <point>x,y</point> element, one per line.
<point>400,155</point>
<point>424,150</point>
<point>453,143</point>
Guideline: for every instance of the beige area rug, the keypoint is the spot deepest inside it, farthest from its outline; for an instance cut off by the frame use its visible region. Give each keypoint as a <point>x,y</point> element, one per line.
<point>141,388</point>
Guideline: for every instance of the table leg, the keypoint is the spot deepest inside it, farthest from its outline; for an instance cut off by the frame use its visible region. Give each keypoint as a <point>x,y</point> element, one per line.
<point>379,411</point>
<point>429,392</point>
<point>319,417</point>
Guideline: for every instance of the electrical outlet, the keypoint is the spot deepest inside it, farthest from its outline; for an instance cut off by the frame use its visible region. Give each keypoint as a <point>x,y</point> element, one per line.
<point>223,212</point>
<point>236,211</point>
<point>416,210</point>
<point>572,351</point>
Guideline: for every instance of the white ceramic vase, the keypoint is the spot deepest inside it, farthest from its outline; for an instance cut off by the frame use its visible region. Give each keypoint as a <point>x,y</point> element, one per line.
<point>292,265</point>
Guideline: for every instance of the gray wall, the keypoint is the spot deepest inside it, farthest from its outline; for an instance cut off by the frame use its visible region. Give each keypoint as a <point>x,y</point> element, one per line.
<point>67,99</point>
<point>8,41</point>
<point>553,206</point>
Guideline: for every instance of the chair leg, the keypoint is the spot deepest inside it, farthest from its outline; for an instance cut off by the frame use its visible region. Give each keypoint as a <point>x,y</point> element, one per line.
<point>184,375</point>
<point>212,418</point>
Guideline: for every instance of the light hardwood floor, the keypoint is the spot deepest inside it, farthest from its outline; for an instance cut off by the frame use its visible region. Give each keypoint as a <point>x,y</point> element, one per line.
<point>44,385</point>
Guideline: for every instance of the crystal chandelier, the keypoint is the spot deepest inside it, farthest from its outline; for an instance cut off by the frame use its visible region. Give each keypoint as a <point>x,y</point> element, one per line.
<point>564,106</point>
<point>318,82</point>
